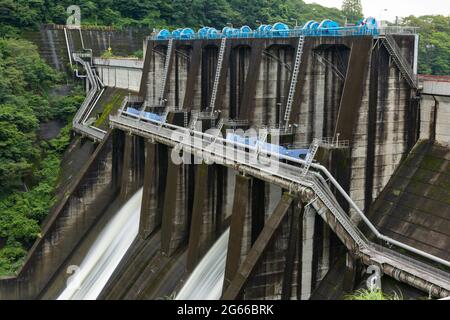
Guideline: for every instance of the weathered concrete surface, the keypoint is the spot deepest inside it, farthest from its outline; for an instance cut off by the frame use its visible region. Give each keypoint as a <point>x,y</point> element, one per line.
<point>108,103</point>
<point>133,166</point>
<point>435,85</point>
<point>434,118</point>
<point>414,208</point>
<point>89,194</point>
<point>120,73</point>
<point>240,277</point>
<point>52,46</point>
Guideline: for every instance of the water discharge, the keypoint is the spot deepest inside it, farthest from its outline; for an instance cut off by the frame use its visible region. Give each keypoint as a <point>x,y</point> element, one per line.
<point>106,253</point>
<point>206,281</point>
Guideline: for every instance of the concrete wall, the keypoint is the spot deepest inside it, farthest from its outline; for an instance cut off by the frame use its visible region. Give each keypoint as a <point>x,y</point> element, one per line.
<point>120,73</point>
<point>367,98</point>
<point>435,109</point>
<point>51,42</point>
<point>85,200</point>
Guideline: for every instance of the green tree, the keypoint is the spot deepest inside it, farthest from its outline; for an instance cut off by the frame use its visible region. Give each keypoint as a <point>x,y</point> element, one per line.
<point>352,9</point>
<point>434,44</point>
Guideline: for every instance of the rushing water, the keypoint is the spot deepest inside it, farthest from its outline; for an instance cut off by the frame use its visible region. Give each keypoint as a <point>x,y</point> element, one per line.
<point>206,281</point>
<point>106,253</point>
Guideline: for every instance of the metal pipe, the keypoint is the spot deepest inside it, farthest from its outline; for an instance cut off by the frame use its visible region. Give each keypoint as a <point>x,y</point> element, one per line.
<point>317,167</point>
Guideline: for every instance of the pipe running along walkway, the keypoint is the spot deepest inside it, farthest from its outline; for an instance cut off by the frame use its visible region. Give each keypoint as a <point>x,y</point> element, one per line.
<point>312,188</point>
<point>95,85</point>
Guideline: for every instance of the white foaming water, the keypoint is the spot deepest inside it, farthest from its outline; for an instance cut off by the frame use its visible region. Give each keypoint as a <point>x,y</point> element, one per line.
<point>105,253</point>
<point>206,281</point>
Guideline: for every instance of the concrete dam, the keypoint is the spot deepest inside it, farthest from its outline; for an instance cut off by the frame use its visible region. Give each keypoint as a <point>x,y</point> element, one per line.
<point>248,164</point>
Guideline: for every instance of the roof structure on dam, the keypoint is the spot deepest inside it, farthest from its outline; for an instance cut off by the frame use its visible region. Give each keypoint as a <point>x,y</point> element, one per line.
<point>415,206</point>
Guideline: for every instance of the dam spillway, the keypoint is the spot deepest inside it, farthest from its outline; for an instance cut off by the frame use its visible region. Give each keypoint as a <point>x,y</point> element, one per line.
<point>206,281</point>
<point>105,253</point>
<point>352,104</point>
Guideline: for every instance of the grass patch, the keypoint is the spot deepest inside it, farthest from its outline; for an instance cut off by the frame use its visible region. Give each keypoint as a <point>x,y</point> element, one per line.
<point>115,102</point>
<point>365,294</point>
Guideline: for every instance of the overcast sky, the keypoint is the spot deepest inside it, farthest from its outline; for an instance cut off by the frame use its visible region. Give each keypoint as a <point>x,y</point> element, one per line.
<point>401,8</point>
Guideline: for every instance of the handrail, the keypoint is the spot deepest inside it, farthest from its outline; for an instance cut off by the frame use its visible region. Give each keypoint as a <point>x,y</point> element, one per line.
<point>332,32</point>
<point>400,60</point>
<point>314,166</point>
<point>80,118</point>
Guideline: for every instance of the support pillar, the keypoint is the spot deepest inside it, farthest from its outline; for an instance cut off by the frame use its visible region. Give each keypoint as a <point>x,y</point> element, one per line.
<point>351,267</point>
<point>309,219</point>
<point>241,210</point>
<point>133,164</point>
<point>176,213</point>
<point>291,252</point>
<point>255,254</point>
<point>202,228</point>
<point>154,188</point>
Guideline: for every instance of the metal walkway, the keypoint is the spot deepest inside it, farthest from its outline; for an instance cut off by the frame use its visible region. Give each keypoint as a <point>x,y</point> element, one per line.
<point>96,89</point>
<point>268,167</point>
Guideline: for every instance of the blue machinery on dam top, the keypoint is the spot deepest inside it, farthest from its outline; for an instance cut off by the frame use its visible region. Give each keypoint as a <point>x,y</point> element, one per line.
<point>367,26</point>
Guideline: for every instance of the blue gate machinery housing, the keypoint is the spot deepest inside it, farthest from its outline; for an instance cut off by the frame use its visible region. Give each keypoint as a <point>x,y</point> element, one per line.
<point>367,26</point>
<point>251,141</point>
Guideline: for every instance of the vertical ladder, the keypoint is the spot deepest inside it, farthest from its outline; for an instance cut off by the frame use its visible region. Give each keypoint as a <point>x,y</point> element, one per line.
<point>219,127</point>
<point>298,61</point>
<point>165,72</point>
<point>194,119</point>
<point>217,76</point>
<point>163,118</point>
<point>261,139</point>
<point>185,119</point>
<point>310,156</point>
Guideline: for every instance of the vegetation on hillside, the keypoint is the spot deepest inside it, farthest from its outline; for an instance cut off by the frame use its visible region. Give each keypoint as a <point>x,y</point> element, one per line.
<point>28,166</point>
<point>365,294</point>
<point>434,49</point>
<point>18,14</point>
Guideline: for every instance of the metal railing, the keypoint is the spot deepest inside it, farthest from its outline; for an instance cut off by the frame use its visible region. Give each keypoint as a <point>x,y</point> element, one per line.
<point>293,175</point>
<point>328,142</point>
<point>403,65</point>
<point>92,97</point>
<point>336,32</point>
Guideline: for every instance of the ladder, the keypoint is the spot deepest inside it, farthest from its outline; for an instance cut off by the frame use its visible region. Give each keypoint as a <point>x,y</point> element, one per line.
<point>185,119</point>
<point>163,118</point>
<point>399,60</point>
<point>261,139</point>
<point>165,72</point>
<point>298,61</point>
<point>194,119</point>
<point>220,125</point>
<point>217,76</point>
<point>310,156</point>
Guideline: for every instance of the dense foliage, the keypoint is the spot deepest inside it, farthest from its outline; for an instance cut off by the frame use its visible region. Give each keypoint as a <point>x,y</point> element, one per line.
<point>14,14</point>
<point>434,49</point>
<point>163,13</point>
<point>28,166</point>
<point>352,9</point>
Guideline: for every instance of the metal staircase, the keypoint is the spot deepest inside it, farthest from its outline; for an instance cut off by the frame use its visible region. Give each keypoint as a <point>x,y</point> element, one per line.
<point>298,61</point>
<point>96,89</point>
<point>165,72</point>
<point>217,76</point>
<point>310,156</point>
<point>400,61</point>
